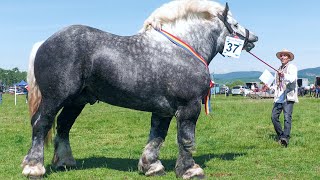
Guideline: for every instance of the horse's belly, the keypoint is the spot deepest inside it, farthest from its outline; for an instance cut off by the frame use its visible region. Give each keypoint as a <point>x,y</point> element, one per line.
<point>153,103</point>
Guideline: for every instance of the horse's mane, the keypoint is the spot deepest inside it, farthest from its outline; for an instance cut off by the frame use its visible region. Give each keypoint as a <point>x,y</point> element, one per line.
<point>182,10</point>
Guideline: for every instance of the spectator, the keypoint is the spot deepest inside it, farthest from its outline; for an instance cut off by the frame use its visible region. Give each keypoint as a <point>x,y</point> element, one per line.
<point>227,91</point>
<point>317,91</point>
<point>253,88</point>
<point>1,91</point>
<point>312,90</point>
<point>27,92</point>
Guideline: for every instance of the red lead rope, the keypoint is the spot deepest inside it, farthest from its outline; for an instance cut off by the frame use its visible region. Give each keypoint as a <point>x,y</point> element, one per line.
<point>281,78</point>
<point>262,61</point>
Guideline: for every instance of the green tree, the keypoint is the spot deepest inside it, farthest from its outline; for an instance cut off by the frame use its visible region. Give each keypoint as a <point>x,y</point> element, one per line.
<point>235,83</point>
<point>10,77</point>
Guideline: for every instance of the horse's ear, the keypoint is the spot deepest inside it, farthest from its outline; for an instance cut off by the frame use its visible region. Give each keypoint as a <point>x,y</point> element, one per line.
<point>225,12</point>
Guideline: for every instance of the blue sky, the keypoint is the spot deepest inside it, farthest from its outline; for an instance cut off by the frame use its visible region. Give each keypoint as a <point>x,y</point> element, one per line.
<point>278,23</point>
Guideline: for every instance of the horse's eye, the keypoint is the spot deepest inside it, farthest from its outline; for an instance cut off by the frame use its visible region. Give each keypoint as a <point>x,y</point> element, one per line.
<point>236,25</point>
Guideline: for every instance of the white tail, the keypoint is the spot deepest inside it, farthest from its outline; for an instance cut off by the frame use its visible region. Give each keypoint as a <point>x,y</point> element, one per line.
<point>34,95</point>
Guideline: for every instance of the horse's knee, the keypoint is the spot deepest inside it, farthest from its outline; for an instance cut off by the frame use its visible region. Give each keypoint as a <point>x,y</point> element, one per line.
<point>187,144</point>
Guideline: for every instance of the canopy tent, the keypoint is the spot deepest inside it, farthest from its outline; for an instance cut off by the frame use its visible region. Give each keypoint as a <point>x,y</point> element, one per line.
<point>22,83</point>
<point>20,88</point>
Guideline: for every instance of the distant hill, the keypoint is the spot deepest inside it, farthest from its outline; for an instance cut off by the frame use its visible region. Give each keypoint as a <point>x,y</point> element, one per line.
<point>310,72</point>
<point>250,76</point>
<point>240,75</point>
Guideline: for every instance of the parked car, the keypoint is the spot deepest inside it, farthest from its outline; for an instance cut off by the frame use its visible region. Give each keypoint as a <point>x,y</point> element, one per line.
<point>223,89</point>
<point>19,90</point>
<point>240,90</point>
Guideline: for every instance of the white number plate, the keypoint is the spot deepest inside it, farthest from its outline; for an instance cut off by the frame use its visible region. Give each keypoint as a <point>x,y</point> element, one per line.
<point>233,47</point>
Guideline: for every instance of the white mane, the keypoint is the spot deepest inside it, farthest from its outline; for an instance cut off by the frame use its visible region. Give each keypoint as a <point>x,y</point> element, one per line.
<point>182,10</point>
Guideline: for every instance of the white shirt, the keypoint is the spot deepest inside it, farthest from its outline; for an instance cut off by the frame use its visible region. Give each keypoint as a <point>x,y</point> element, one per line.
<point>290,81</point>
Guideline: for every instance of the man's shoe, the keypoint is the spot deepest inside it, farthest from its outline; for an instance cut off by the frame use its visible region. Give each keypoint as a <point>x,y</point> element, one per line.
<point>284,142</point>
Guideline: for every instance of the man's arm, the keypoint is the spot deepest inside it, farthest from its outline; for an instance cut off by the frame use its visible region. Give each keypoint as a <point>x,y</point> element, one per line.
<point>291,74</point>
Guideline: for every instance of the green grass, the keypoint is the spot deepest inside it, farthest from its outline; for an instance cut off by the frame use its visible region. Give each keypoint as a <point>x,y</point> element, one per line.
<point>236,141</point>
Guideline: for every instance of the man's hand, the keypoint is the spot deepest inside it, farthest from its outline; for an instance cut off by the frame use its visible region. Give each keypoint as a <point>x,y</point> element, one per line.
<point>280,74</point>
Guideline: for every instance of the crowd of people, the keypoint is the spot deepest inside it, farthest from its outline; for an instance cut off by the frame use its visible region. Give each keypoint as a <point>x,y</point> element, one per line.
<point>315,91</point>
<point>312,91</point>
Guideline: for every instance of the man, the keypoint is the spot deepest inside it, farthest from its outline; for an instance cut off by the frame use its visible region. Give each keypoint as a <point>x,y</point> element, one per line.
<point>27,92</point>
<point>285,95</point>
<point>1,91</point>
<point>227,91</point>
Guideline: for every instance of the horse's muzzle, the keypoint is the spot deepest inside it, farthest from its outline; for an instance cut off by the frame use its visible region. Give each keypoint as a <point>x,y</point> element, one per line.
<point>250,44</point>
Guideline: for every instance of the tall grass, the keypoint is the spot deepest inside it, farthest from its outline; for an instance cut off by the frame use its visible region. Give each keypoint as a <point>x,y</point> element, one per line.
<point>236,141</point>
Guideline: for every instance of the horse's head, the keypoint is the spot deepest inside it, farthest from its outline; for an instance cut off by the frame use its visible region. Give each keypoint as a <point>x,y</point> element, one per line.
<point>204,24</point>
<point>234,28</point>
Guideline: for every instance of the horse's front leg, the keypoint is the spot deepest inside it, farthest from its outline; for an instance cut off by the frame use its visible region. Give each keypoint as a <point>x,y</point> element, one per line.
<point>149,164</point>
<point>186,123</point>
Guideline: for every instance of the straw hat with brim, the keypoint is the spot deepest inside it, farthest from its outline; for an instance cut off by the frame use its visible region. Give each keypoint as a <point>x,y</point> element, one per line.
<point>285,51</point>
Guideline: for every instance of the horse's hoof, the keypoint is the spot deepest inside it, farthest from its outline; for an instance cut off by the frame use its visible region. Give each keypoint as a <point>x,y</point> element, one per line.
<point>34,171</point>
<point>196,172</point>
<point>155,169</point>
<point>63,163</point>
<point>60,166</point>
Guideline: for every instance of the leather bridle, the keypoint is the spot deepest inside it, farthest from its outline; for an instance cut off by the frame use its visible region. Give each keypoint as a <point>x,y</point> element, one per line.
<point>233,32</point>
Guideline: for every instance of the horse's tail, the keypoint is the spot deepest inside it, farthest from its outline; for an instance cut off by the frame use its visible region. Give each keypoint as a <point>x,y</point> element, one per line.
<point>34,94</point>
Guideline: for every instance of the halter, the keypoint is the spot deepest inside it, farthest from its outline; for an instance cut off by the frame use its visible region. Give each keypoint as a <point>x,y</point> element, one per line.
<point>231,31</point>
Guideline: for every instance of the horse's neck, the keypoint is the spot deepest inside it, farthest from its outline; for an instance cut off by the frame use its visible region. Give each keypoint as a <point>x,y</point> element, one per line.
<point>204,38</point>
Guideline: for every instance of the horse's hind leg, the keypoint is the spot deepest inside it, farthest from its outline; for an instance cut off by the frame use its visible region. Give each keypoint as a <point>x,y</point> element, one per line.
<point>186,123</point>
<point>149,163</point>
<point>62,157</point>
<point>41,123</point>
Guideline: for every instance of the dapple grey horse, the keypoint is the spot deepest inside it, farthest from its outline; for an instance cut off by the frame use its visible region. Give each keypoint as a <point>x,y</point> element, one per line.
<point>146,71</point>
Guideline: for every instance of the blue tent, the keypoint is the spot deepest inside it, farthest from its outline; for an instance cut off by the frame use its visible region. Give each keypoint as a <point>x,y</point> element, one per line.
<point>22,83</point>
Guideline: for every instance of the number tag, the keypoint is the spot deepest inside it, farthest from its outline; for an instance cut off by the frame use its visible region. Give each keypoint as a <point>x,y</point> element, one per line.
<point>233,47</point>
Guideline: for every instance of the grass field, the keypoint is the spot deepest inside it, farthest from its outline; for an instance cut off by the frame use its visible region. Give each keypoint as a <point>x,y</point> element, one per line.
<point>236,141</point>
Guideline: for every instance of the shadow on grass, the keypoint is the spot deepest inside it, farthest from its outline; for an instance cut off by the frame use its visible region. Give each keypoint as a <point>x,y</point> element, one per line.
<point>125,164</point>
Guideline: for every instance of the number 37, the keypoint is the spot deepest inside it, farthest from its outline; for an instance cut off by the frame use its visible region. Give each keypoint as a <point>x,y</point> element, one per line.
<point>232,47</point>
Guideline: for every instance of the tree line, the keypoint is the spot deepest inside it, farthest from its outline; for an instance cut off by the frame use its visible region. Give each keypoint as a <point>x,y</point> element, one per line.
<point>235,83</point>
<point>10,77</point>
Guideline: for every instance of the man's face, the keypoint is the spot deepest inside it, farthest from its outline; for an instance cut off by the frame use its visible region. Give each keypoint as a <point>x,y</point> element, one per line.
<point>284,58</point>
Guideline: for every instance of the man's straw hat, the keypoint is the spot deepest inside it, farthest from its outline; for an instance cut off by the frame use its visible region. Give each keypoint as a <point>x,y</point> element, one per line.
<point>285,51</point>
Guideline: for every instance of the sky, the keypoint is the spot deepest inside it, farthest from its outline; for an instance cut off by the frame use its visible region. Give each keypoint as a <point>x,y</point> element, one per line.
<point>279,24</point>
